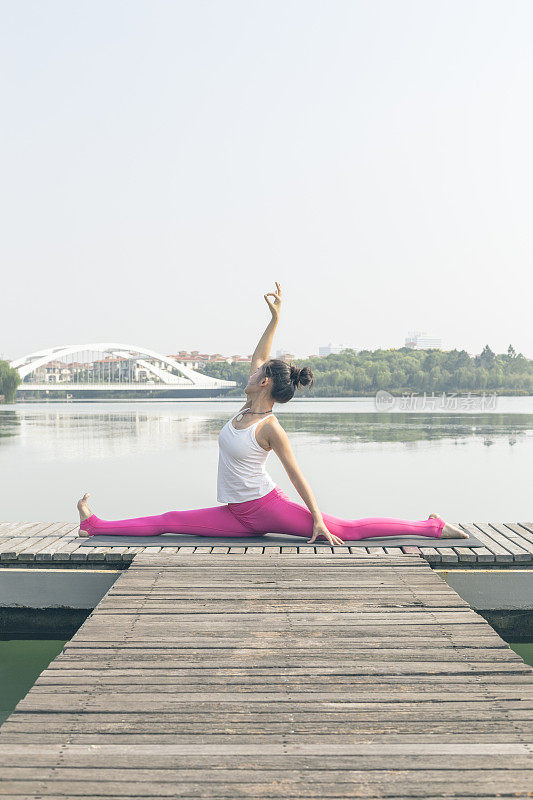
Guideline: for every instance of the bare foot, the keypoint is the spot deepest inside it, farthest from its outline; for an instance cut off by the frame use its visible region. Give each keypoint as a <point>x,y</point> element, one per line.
<point>85,512</point>
<point>450,531</point>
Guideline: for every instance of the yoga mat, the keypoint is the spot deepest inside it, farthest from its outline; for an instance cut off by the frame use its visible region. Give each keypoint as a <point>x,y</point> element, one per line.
<point>269,540</point>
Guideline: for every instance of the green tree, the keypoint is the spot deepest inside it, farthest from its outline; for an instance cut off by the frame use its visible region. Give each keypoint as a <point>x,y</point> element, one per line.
<point>404,370</point>
<point>481,378</point>
<point>9,380</point>
<point>486,358</point>
<point>361,381</point>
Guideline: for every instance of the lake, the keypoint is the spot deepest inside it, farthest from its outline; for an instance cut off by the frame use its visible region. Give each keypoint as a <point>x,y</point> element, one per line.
<point>144,458</point>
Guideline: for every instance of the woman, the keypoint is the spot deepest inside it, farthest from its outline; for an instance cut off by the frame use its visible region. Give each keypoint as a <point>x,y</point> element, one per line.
<point>254,504</point>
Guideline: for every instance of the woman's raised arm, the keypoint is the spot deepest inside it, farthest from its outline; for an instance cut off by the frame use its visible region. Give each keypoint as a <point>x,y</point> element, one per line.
<point>262,351</point>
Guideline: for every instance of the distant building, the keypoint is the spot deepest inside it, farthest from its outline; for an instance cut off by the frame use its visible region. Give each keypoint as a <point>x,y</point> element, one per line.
<point>418,340</point>
<point>241,359</point>
<point>331,349</point>
<point>285,356</point>
<point>197,360</point>
<point>193,360</point>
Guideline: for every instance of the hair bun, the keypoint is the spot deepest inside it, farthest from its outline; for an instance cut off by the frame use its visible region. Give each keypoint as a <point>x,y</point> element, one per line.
<point>301,377</point>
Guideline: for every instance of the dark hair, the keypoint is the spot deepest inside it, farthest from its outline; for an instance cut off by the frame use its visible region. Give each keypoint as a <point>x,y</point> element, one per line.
<point>286,378</point>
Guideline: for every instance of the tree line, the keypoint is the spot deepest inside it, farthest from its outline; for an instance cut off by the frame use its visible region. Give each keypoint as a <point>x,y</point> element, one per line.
<point>352,374</point>
<point>9,380</point>
<point>356,374</point>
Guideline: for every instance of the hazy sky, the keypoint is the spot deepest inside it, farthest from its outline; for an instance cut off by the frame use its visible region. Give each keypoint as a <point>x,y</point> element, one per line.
<point>162,163</point>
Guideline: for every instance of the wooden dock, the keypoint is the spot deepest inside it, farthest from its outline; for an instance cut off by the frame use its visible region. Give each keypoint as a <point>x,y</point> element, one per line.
<point>57,543</point>
<point>275,675</point>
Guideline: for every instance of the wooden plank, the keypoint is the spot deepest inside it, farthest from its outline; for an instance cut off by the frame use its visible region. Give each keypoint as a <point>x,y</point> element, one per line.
<point>465,555</point>
<point>65,535</point>
<point>24,534</point>
<point>431,554</point>
<point>518,534</point>
<point>484,555</point>
<point>527,528</point>
<point>511,542</point>
<point>323,551</point>
<point>116,553</point>
<point>376,550</point>
<point>393,551</point>
<point>64,549</point>
<point>272,552</point>
<point>447,555</point>
<point>18,529</point>
<point>502,555</point>
<point>31,547</point>
<point>410,550</point>
<point>86,553</point>
<point>276,674</point>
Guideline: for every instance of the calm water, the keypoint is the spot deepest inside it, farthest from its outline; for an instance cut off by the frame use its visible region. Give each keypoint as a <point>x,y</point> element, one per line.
<point>23,660</point>
<point>145,458</point>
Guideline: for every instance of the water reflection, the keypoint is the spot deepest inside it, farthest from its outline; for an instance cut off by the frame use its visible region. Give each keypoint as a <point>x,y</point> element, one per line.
<point>144,458</point>
<point>118,433</point>
<point>9,423</point>
<point>84,433</point>
<point>386,427</point>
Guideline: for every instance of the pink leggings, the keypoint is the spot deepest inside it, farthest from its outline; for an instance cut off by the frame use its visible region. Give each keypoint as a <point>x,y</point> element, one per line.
<point>272,513</point>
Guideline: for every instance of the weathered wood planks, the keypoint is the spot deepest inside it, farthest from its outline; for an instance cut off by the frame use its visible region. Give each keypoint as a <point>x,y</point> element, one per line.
<point>58,543</point>
<point>203,676</point>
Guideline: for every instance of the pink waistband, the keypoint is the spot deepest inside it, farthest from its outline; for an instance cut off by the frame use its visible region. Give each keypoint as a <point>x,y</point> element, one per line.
<point>258,501</point>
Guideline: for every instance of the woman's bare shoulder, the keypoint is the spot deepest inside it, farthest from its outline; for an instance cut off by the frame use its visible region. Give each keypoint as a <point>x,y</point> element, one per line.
<point>272,422</point>
<point>269,431</point>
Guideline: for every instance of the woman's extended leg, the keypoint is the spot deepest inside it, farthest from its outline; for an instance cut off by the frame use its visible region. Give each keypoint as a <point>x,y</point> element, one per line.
<point>213,521</point>
<point>281,515</point>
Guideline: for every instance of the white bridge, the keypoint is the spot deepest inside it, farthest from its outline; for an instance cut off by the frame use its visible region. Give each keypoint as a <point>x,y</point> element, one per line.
<point>111,369</point>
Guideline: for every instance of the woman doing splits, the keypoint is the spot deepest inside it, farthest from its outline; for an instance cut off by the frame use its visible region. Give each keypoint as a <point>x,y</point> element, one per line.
<point>253,503</point>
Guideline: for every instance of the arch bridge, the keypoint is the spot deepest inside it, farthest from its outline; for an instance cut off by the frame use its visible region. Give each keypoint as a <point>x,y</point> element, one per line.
<point>111,370</point>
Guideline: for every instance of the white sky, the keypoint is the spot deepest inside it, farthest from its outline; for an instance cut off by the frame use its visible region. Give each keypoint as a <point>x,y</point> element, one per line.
<point>163,162</point>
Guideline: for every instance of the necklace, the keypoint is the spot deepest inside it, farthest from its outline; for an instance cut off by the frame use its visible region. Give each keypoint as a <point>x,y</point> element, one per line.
<point>249,411</point>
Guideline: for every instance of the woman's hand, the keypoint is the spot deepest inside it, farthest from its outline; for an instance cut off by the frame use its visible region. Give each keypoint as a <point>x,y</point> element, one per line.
<point>319,529</point>
<point>274,305</point>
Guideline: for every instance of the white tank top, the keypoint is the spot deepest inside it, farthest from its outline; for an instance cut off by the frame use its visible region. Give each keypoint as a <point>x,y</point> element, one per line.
<point>242,473</point>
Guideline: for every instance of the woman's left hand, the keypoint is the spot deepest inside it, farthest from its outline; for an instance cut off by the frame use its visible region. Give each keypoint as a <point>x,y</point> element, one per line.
<point>319,529</point>
<point>275,305</point>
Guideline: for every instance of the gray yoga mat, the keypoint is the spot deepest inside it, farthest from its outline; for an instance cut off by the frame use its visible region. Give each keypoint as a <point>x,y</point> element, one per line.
<point>269,540</point>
